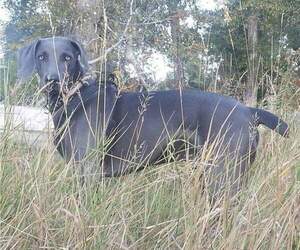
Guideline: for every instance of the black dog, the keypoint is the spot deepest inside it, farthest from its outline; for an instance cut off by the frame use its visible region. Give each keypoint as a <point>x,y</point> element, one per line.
<point>141,128</point>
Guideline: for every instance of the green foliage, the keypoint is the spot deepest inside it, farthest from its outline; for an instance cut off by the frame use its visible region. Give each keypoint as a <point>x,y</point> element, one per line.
<point>277,23</point>
<point>32,19</point>
<point>212,49</point>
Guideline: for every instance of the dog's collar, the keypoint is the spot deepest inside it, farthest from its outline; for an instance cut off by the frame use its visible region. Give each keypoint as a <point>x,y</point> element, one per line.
<point>77,96</point>
<point>56,100</point>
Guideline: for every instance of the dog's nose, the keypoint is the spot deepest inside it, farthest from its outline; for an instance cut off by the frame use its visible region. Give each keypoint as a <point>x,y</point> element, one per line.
<point>52,78</point>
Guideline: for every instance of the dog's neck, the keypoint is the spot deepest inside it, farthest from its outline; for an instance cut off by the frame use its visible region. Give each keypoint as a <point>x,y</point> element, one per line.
<point>54,102</point>
<point>57,99</point>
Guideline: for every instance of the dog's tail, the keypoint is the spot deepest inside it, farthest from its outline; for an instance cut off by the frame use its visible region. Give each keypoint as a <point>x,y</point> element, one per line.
<point>271,121</point>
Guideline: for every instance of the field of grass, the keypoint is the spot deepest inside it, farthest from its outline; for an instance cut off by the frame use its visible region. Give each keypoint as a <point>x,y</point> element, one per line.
<point>42,205</point>
<point>163,207</point>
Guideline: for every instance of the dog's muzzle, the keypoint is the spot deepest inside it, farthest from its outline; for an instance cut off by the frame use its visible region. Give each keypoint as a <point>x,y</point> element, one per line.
<point>51,87</point>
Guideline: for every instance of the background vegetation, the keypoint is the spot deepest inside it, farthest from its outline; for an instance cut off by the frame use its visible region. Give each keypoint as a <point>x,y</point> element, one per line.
<point>242,47</point>
<point>245,48</point>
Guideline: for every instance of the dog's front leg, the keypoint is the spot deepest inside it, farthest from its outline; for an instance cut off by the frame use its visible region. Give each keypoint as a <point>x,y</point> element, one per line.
<point>86,167</point>
<point>114,167</point>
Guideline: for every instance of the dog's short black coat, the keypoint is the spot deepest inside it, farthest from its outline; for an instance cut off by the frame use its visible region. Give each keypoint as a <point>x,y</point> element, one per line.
<point>142,128</point>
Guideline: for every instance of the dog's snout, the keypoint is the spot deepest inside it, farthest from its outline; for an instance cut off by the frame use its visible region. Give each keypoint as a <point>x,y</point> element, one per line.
<point>52,78</point>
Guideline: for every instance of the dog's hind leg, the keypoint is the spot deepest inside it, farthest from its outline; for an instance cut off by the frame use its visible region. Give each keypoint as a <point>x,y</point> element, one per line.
<point>233,156</point>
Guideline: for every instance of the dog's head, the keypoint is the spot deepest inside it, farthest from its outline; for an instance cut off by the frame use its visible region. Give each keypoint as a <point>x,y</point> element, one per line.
<point>57,60</point>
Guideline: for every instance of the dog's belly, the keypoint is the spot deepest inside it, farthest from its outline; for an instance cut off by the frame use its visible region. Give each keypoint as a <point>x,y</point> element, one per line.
<point>155,144</point>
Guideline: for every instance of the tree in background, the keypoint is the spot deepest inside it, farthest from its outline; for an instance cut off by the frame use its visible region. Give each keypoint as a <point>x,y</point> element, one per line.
<point>238,48</point>
<point>35,18</point>
<point>251,37</point>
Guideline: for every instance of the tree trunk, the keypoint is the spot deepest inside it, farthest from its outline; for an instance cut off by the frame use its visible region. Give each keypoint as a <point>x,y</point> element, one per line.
<point>175,34</point>
<point>251,87</point>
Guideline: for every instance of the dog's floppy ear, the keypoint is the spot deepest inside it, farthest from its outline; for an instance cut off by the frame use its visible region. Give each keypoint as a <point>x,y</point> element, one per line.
<point>26,61</point>
<point>82,58</point>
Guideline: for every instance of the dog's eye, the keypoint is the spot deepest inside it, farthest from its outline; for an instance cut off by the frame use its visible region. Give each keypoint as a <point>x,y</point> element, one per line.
<point>67,58</point>
<point>41,57</point>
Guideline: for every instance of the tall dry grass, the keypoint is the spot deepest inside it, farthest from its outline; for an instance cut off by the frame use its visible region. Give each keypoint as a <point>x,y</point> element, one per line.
<point>162,207</point>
